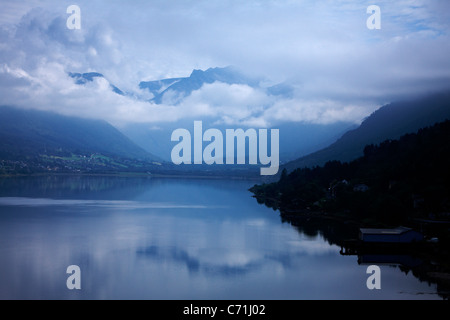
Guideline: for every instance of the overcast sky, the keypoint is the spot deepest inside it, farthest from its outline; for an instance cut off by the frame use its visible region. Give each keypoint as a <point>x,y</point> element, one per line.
<point>341,70</point>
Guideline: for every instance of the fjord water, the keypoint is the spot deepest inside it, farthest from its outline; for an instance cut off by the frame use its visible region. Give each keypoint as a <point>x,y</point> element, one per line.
<point>150,238</point>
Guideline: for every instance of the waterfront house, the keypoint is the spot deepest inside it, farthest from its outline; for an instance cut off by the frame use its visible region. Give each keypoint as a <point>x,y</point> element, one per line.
<point>397,235</point>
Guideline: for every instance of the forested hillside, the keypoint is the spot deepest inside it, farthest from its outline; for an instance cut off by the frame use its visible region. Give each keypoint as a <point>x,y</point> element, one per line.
<point>391,183</point>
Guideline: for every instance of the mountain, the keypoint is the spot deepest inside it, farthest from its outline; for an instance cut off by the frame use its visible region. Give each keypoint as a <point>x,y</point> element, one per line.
<point>390,183</point>
<point>183,87</point>
<point>389,122</point>
<point>83,78</point>
<point>25,133</point>
<point>178,88</point>
<point>296,139</point>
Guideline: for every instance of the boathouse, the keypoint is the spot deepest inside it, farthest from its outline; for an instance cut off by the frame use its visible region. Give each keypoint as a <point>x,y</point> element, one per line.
<point>397,235</point>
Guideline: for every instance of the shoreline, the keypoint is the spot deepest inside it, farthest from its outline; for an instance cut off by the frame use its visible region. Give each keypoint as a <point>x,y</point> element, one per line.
<point>435,266</point>
<point>134,175</point>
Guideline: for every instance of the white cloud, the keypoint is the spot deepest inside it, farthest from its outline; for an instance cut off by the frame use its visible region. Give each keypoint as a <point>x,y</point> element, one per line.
<point>341,70</point>
<point>229,103</point>
<point>315,111</point>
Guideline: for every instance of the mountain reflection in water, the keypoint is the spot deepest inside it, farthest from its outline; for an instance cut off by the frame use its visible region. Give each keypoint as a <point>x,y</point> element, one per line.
<point>146,238</point>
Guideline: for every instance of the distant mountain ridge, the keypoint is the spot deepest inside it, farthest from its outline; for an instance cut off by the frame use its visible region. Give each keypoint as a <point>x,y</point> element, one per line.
<point>176,89</point>
<point>389,122</point>
<point>297,139</point>
<point>184,86</point>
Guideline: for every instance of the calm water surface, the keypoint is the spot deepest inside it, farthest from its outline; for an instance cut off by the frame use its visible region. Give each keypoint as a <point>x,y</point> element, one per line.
<point>137,238</point>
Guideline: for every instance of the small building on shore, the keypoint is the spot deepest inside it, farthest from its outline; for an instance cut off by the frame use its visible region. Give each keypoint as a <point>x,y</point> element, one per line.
<point>397,235</point>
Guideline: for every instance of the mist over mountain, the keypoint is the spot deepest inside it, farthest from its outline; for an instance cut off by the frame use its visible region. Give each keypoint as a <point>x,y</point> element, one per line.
<point>301,143</point>
<point>183,87</point>
<point>83,78</point>
<point>389,122</point>
<point>296,138</point>
<point>176,89</point>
